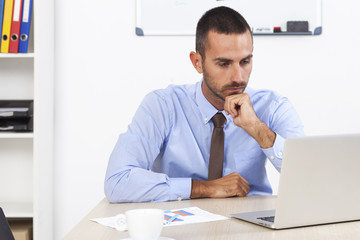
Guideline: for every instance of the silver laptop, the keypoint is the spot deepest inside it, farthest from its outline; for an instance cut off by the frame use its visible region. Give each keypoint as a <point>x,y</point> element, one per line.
<point>319,183</point>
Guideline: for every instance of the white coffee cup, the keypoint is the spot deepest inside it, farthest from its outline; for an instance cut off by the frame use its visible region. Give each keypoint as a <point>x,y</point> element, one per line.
<point>142,224</point>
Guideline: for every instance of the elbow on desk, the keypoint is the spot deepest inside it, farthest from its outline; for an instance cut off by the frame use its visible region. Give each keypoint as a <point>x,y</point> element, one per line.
<point>113,197</point>
<point>113,191</point>
<point>115,194</point>
<point>129,186</point>
<point>118,191</point>
<point>108,194</point>
<point>116,187</point>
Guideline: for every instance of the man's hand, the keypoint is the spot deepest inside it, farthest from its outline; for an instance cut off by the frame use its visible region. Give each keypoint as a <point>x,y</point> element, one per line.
<point>228,186</point>
<point>240,108</point>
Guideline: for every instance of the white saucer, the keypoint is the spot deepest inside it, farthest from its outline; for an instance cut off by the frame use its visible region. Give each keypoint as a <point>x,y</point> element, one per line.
<point>160,238</point>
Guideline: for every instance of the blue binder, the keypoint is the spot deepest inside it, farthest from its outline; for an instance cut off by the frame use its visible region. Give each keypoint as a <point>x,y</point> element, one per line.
<point>1,16</point>
<point>25,26</point>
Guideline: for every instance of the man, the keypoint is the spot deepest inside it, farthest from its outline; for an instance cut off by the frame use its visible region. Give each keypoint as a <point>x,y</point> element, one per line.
<point>164,155</point>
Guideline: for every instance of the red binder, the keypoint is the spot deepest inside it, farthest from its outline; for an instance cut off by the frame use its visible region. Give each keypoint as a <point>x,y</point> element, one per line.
<point>15,27</point>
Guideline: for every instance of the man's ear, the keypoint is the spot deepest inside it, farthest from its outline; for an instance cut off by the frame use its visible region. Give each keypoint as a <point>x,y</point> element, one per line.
<point>196,60</point>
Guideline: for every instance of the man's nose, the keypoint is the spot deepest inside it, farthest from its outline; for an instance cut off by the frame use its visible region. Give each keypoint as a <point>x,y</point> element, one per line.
<point>237,74</point>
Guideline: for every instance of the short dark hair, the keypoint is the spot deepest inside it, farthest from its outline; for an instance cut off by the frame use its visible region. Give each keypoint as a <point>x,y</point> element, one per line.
<point>221,20</point>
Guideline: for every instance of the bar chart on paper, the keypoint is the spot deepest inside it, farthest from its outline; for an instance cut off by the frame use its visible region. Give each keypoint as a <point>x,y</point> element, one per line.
<point>190,215</point>
<point>176,217</point>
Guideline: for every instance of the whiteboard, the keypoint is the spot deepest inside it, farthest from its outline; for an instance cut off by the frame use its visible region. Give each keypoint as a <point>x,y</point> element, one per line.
<point>179,17</point>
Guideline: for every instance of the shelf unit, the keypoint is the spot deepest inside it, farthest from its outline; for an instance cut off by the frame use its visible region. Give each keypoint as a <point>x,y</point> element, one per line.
<point>16,135</point>
<point>18,209</point>
<point>26,159</point>
<point>16,55</point>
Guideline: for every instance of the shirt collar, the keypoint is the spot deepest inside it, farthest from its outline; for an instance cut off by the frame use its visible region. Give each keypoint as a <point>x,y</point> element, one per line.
<point>206,109</point>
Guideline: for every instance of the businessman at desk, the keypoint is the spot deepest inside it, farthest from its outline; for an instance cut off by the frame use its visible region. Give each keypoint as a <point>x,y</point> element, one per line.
<point>208,139</point>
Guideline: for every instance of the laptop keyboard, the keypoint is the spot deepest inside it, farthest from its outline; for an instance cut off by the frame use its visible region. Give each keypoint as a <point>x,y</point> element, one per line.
<point>268,219</point>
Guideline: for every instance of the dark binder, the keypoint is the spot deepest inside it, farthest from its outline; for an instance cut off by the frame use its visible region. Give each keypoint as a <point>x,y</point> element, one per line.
<point>16,115</point>
<point>5,231</point>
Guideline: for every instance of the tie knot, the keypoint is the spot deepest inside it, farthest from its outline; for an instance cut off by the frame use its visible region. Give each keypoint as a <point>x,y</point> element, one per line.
<point>218,120</point>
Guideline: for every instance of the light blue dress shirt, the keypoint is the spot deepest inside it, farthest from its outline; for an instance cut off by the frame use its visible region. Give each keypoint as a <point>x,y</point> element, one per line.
<point>168,144</point>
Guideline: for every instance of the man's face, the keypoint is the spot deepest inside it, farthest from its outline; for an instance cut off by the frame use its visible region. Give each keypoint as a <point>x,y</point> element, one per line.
<point>227,66</point>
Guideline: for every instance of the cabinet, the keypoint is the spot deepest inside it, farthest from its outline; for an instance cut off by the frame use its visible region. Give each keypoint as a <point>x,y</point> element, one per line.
<point>26,159</point>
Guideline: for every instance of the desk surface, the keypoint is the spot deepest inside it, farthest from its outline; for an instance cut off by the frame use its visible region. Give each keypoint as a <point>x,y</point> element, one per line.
<point>225,229</point>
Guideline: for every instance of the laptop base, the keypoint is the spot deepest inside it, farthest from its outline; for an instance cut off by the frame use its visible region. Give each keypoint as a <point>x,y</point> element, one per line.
<point>254,217</point>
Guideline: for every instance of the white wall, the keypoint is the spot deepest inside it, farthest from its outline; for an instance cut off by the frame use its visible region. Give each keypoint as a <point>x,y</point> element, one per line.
<point>103,70</point>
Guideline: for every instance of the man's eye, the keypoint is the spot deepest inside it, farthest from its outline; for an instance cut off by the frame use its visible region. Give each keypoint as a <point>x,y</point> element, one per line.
<point>223,64</point>
<point>243,62</point>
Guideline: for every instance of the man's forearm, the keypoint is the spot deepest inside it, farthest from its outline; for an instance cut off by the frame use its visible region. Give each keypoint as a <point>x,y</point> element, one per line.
<point>228,186</point>
<point>244,116</point>
<point>262,134</point>
<point>141,185</point>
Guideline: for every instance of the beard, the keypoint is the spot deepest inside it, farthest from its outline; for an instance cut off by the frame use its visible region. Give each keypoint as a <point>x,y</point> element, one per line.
<point>221,93</point>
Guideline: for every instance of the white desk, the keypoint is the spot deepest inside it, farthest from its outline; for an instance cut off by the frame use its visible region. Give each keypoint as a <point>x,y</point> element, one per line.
<point>226,229</point>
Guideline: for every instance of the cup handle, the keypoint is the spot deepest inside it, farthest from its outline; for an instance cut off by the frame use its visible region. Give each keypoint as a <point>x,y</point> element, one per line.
<point>120,222</point>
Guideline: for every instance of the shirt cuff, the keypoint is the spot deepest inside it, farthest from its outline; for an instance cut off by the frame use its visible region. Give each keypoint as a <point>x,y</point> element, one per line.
<point>275,153</point>
<point>181,187</point>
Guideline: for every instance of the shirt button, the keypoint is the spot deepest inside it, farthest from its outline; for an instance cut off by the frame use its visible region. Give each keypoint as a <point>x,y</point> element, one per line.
<point>272,157</point>
<point>280,154</point>
<point>206,119</point>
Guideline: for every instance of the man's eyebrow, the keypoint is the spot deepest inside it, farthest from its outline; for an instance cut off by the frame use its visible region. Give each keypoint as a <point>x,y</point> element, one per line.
<point>249,56</point>
<point>222,59</point>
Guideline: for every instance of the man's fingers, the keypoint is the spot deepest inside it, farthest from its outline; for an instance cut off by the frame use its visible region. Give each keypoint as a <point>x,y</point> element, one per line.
<point>243,186</point>
<point>245,189</point>
<point>240,186</point>
<point>230,107</point>
<point>233,104</point>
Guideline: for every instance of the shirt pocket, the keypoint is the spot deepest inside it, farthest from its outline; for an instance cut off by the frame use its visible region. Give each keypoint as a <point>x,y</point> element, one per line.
<point>250,164</point>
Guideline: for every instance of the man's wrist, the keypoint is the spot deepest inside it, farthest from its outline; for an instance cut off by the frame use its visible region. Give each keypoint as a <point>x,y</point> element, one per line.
<point>262,134</point>
<point>198,189</point>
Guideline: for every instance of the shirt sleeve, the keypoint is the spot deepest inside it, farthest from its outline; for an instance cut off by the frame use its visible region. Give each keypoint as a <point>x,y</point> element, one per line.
<point>285,122</point>
<point>129,177</point>
<point>275,153</point>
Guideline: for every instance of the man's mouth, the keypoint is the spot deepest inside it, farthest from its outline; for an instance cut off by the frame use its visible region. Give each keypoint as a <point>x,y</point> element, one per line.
<point>236,89</point>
